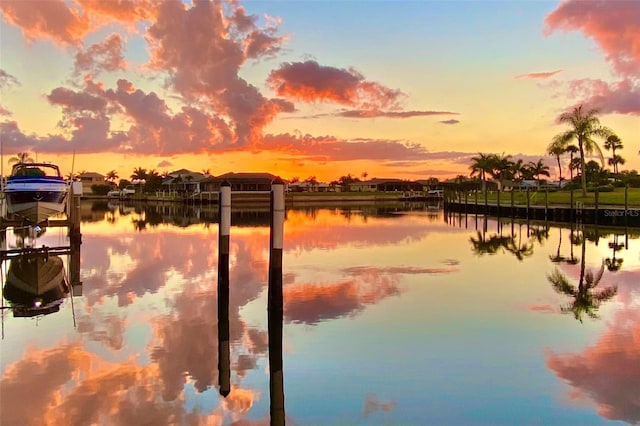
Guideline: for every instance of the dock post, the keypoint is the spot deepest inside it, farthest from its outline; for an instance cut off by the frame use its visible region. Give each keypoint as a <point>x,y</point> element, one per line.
<point>475,209</point>
<point>571,212</point>
<point>466,195</point>
<point>546,203</point>
<point>626,205</point>
<point>485,201</point>
<point>528,203</point>
<point>512,209</point>
<point>597,198</point>
<point>275,304</point>
<point>498,203</point>
<point>224,228</point>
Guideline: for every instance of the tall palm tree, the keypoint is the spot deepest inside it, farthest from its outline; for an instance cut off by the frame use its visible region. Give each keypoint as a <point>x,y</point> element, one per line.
<point>21,157</point>
<point>539,169</point>
<point>585,126</point>
<point>586,300</point>
<point>557,148</point>
<point>614,143</point>
<point>481,166</point>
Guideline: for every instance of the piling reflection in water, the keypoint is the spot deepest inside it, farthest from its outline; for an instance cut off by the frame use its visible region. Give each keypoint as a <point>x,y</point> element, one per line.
<point>224,355</point>
<point>275,305</point>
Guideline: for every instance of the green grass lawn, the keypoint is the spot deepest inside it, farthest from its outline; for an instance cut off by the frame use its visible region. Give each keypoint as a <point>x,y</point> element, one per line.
<point>615,198</point>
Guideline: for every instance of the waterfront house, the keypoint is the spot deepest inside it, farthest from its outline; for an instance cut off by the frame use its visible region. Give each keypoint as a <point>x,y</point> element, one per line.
<point>384,185</point>
<point>89,179</point>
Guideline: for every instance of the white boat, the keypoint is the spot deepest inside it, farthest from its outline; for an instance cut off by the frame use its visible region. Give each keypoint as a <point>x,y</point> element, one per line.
<point>36,191</point>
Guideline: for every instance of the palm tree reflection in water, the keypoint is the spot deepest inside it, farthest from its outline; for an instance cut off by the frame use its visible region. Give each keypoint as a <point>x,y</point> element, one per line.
<point>492,244</point>
<point>587,298</point>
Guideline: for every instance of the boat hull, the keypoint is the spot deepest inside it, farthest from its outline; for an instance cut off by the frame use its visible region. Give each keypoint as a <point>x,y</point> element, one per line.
<point>35,285</point>
<point>38,205</point>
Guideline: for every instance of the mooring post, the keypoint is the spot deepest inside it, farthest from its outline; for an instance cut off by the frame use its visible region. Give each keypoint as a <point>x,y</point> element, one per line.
<point>512,209</point>
<point>597,197</point>
<point>546,202</point>
<point>485,201</point>
<point>224,228</point>
<point>475,207</point>
<point>571,211</point>
<point>466,196</point>
<point>528,203</point>
<point>275,304</point>
<point>626,205</point>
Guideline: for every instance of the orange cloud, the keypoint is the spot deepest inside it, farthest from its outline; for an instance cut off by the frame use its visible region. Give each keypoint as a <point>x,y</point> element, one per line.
<point>52,18</point>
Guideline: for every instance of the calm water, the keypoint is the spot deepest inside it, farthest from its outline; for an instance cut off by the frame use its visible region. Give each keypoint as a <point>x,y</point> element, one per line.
<point>390,318</point>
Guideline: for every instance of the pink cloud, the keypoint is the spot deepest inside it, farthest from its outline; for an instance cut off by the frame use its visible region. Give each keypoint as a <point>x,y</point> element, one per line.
<point>608,372</point>
<point>311,82</point>
<point>330,148</point>
<point>622,97</point>
<point>450,122</point>
<point>613,25</point>
<point>105,56</point>
<point>538,75</point>
<point>543,308</point>
<point>392,114</point>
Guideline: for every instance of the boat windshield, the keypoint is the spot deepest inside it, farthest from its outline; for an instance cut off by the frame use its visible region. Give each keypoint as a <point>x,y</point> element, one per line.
<point>35,169</point>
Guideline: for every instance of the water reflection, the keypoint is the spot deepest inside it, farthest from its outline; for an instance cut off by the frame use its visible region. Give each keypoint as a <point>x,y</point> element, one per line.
<point>587,296</point>
<point>36,284</point>
<point>373,305</point>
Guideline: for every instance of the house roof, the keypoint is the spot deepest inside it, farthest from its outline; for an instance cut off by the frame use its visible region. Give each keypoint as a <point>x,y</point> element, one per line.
<point>91,174</point>
<point>247,175</point>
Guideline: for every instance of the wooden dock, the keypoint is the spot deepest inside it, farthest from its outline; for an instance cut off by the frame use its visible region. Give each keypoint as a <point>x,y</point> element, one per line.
<point>603,214</point>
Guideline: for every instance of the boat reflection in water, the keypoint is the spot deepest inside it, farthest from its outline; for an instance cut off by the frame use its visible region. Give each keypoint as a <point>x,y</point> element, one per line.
<point>36,284</point>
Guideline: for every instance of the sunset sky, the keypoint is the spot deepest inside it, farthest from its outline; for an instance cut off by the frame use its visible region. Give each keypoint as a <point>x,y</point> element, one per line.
<point>408,89</point>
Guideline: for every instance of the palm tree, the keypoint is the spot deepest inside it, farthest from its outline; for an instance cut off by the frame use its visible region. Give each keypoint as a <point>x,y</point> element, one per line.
<point>139,173</point>
<point>584,127</point>
<point>502,168</point>
<point>572,150</point>
<point>364,175</point>
<point>613,143</point>
<point>482,165</point>
<point>112,176</point>
<point>538,169</point>
<point>21,157</point>
<point>585,298</point>
<point>614,263</point>
<point>614,161</point>
<point>557,148</point>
